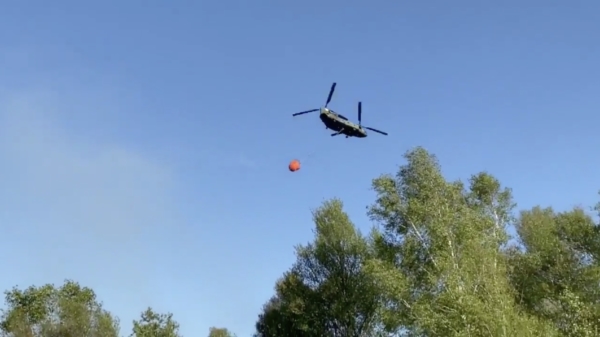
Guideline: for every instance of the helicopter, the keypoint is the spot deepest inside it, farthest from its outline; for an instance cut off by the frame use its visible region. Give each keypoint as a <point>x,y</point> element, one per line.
<point>339,123</point>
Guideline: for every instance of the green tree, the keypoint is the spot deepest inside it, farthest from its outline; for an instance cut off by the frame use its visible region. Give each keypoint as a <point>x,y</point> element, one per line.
<point>326,293</point>
<point>556,272</point>
<point>47,311</point>
<point>278,318</point>
<point>219,332</point>
<point>442,267</point>
<point>152,324</point>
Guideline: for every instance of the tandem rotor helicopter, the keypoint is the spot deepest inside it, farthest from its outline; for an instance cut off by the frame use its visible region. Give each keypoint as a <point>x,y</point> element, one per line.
<point>339,123</point>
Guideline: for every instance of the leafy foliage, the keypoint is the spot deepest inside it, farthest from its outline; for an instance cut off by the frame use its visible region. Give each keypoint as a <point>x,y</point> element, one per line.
<point>219,332</point>
<point>47,311</point>
<point>556,273</point>
<point>152,324</point>
<point>326,292</point>
<point>444,270</point>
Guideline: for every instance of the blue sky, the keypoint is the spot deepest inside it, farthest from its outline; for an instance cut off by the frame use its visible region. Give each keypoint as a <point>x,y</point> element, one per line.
<point>144,144</point>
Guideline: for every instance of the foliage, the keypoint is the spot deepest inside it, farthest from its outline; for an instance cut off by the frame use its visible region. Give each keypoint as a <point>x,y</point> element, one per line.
<point>283,315</point>
<point>47,311</point>
<point>219,332</point>
<point>152,324</point>
<point>326,292</point>
<point>442,265</point>
<point>556,272</point>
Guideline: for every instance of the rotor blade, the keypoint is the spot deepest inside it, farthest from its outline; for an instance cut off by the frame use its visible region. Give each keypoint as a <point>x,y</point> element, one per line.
<point>378,131</point>
<point>330,94</point>
<point>359,113</point>
<point>305,112</point>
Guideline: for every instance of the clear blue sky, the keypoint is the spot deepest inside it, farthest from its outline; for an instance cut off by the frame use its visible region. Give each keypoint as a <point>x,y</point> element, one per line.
<point>144,144</point>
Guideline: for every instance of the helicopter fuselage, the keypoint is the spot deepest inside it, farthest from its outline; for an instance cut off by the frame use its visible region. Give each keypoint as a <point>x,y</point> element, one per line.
<point>339,123</point>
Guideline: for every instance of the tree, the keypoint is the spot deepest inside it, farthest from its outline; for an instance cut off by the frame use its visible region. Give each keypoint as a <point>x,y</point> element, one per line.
<point>442,268</point>
<point>278,318</point>
<point>219,332</point>
<point>326,292</point>
<point>556,270</point>
<point>47,311</point>
<point>152,324</point>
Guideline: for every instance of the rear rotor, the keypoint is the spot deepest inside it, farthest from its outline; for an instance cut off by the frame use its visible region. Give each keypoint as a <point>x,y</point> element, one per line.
<point>366,127</point>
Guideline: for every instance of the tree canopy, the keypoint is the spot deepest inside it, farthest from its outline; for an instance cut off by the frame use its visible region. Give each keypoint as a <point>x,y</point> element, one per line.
<point>437,260</point>
<point>48,311</point>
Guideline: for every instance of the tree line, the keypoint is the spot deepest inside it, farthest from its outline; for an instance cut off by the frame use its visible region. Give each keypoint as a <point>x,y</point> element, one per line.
<point>72,310</point>
<point>437,262</point>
